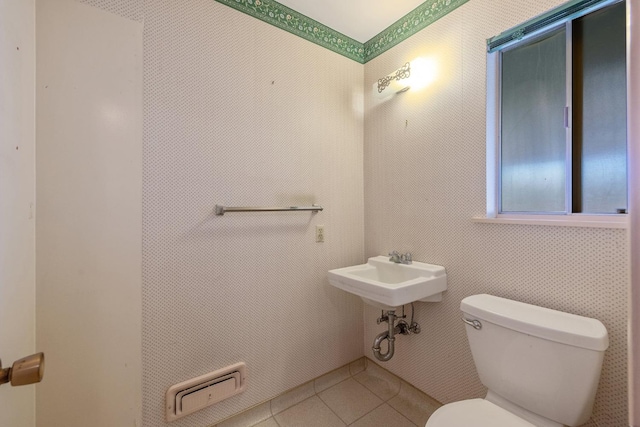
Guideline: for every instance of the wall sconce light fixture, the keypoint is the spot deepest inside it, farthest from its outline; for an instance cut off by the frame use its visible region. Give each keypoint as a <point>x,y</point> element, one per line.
<point>401,73</point>
<point>413,75</point>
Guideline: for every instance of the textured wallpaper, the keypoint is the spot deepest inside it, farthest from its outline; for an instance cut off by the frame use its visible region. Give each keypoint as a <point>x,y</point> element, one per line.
<point>425,180</point>
<point>130,9</point>
<point>237,112</point>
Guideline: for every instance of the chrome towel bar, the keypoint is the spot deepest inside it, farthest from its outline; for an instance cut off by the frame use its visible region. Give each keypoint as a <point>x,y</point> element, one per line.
<point>221,210</point>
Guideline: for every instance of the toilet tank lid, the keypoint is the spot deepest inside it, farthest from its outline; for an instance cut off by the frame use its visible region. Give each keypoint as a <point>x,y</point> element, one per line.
<point>540,322</point>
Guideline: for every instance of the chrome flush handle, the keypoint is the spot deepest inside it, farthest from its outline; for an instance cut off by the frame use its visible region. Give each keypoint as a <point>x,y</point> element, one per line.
<point>474,323</point>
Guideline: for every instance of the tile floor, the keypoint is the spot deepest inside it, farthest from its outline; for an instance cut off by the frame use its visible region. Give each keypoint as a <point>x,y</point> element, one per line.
<point>360,394</point>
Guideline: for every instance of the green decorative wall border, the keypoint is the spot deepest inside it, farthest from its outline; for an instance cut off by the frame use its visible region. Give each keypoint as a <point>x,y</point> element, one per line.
<point>419,18</point>
<point>281,16</point>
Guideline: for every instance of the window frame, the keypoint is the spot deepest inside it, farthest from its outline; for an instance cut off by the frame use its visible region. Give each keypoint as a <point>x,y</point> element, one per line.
<point>494,134</point>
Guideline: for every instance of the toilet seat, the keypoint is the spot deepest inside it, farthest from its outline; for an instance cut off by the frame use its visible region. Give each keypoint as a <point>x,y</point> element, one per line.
<point>475,413</point>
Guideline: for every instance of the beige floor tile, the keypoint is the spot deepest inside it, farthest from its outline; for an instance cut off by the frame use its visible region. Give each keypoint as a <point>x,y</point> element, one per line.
<point>353,395</point>
<point>268,423</point>
<point>332,378</point>
<point>383,416</point>
<point>350,400</point>
<point>383,384</point>
<point>250,417</point>
<point>292,397</point>
<point>309,413</point>
<point>357,366</point>
<point>414,404</point>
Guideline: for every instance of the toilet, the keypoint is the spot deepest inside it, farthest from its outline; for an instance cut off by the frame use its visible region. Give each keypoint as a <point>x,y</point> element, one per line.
<point>541,367</point>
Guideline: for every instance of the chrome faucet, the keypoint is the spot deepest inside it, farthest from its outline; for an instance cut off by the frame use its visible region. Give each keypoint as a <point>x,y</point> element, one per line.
<point>400,259</point>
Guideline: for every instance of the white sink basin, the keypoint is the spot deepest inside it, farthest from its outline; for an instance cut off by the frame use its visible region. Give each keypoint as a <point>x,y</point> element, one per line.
<point>387,285</point>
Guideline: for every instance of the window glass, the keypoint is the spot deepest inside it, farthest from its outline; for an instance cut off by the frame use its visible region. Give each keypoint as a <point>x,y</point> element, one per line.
<point>599,111</point>
<point>533,135</point>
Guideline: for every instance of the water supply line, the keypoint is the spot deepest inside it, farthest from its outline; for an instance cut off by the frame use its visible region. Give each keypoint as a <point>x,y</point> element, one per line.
<point>402,327</point>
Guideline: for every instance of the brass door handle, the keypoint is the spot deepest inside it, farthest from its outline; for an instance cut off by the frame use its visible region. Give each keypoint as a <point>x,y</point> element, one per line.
<point>28,370</point>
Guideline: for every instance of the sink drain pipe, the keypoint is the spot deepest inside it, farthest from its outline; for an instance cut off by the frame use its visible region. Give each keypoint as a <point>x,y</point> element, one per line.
<point>402,328</point>
<point>386,335</point>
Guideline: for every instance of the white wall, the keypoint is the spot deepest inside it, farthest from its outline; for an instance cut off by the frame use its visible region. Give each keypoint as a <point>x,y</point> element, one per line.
<point>238,112</point>
<point>17,199</point>
<point>267,119</point>
<point>425,180</point>
<point>634,210</point>
<point>89,191</point>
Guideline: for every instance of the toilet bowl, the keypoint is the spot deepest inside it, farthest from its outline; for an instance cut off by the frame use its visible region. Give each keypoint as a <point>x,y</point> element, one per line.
<point>476,413</point>
<point>541,366</point>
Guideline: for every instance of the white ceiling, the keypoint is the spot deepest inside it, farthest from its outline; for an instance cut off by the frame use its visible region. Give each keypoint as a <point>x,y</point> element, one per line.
<point>358,19</point>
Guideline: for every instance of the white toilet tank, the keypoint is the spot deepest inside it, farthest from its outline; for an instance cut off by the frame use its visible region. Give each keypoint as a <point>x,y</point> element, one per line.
<point>545,361</point>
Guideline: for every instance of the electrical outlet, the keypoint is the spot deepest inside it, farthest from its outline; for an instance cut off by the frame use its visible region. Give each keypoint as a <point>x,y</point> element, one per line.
<point>319,233</point>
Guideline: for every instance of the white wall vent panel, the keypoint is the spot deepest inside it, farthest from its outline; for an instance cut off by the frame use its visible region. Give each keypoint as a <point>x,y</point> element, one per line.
<point>198,393</point>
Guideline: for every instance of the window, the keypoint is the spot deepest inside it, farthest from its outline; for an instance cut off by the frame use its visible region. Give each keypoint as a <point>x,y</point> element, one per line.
<point>556,114</point>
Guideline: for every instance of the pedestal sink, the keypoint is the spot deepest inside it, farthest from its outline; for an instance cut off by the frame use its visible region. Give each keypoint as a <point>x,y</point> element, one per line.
<point>386,285</point>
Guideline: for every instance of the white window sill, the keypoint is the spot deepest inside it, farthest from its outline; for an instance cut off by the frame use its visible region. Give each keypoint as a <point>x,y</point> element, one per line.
<point>593,221</point>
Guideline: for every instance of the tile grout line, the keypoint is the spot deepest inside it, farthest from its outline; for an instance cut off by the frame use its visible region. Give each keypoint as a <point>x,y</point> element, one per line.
<point>275,421</point>
<point>315,394</point>
<point>352,376</point>
<point>403,416</point>
<point>364,415</point>
<point>271,412</point>
<point>327,405</point>
<point>340,382</point>
<point>334,412</point>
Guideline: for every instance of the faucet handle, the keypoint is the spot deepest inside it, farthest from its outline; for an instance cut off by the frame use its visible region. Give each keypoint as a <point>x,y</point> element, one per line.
<point>408,257</point>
